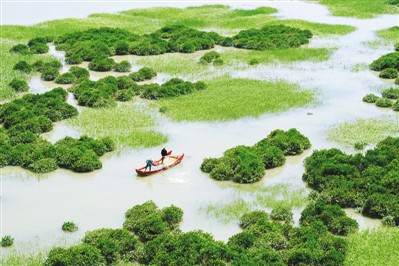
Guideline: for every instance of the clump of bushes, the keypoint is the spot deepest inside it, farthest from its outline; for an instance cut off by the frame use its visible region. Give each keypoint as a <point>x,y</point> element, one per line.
<point>36,46</point>
<point>102,63</point>
<point>6,241</point>
<point>253,62</point>
<point>66,78</point>
<point>123,66</point>
<point>367,182</point>
<point>69,227</point>
<point>244,164</point>
<point>142,74</point>
<point>79,72</point>
<point>389,73</point>
<point>388,61</point>
<point>282,213</point>
<point>20,49</point>
<point>386,101</point>
<point>148,222</point>
<point>211,57</point>
<point>23,66</point>
<point>271,38</point>
<point>19,85</point>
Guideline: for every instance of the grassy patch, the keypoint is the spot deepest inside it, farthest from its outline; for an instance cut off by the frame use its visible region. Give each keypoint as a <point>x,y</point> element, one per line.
<point>368,131</point>
<point>127,125</point>
<point>359,9</point>
<point>315,28</point>
<point>22,259</point>
<point>228,99</point>
<point>373,247</point>
<point>391,34</point>
<point>244,202</point>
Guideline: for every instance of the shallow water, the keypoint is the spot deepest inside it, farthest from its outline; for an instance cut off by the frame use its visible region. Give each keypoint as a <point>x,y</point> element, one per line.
<point>34,207</point>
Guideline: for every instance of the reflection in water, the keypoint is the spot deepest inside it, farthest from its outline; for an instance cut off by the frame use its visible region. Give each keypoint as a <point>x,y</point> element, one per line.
<point>35,207</point>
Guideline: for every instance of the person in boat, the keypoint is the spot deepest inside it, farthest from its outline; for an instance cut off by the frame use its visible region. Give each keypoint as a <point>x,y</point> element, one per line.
<point>149,163</point>
<point>164,153</point>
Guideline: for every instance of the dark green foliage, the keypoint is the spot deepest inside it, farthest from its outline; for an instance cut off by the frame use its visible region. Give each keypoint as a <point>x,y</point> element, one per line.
<point>360,145</point>
<point>69,227</point>
<point>331,215</point>
<point>23,66</point>
<point>395,106</point>
<point>271,37</point>
<point>209,57</point>
<point>79,72</point>
<point>361,181</point>
<point>282,213</point>
<point>102,63</point>
<point>6,241</point>
<point>39,48</point>
<point>291,142</point>
<point>19,85</point>
<point>397,47</point>
<point>66,78</point>
<point>370,98</point>
<point>50,74</point>
<point>20,49</point>
<point>142,74</point>
<point>384,103</point>
<point>123,66</point>
<point>389,73</point>
<point>218,62</point>
<point>96,93</point>
<point>80,255</point>
<point>247,164</point>
<point>253,62</point>
<point>391,93</point>
<point>148,222</point>
<point>114,244</point>
<point>43,165</point>
<point>390,60</point>
<point>37,40</point>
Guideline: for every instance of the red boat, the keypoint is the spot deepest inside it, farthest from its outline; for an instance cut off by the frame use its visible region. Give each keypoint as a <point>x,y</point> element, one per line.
<point>157,166</point>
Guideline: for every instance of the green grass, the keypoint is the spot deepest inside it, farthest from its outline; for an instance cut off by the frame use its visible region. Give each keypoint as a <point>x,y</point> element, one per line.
<point>369,131</point>
<point>316,28</point>
<point>373,247</point>
<point>243,202</point>
<point>231,98</point>
<point>359,8</point>
<point>127,124</point>
<point>391,34</point>
<point>185,64</point>
<point>21,259</point>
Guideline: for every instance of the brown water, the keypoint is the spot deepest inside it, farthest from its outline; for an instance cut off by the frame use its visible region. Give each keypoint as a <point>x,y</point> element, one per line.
<point>34,207</point>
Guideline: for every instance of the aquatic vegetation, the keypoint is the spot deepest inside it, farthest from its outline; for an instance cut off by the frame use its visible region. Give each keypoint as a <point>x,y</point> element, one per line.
<point>69,227</point>
<point>79,72</point>
<point>359,9</point>
<point>363,248</point>
<point>66,78</point>
<point>366,131</point>
<point>391,93</point>
<point>211,57</point>
<point>390,34</point>
<point>6,241</point>
<point>144,73</point>
<point>331,215</point>
<point>231,98</point>
<point>390,60</point>
<point>271,37</point>
<point>19,85</point>
<point>370,98</point>
<point>384,103</point>
<point>366,181</point>
<point>102,63</point>
<point>127,125</point>
<point>15,258</point>
<point>82,254</point>
<point>23,66</point>
<point>123,66</point>
<point>282,213</point>
<point>388,73</point>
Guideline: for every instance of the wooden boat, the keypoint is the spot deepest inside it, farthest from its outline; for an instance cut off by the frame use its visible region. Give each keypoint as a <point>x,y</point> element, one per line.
<point>157,166</point>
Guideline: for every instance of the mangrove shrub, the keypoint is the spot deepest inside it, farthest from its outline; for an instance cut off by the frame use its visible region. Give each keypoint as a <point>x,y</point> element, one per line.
<point>19,85</point>
<point>389,73</point>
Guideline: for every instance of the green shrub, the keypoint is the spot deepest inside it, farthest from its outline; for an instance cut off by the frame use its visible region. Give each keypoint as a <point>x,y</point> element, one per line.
<point>272,156</point>
<point>397,81</point>
<point>123,66</point>
<point>360,145</point>
<point>395,106</point>
<point>20,49</point>
<point>209,57</point>
<point>209,164</point>
<point>391,93</point>
<point>66,78</point>
<point>291,142</point>
<point>39,48</point>
<point>50,74</point>
<point>69,227</point>
<point>124,95</point>
<point>173,216</point>
<point>370,98</point>
<point>79,72</point>
<point>76,255</point>
<point>397,47</point>
<point>282,213</point>
<point>390,60</point>
<point>253,62</point>
<point>101,63</point>
<point>389,73</point>
<point>6,241</point>
<point>23,66</point>
<point>37,40</point>
<point>218,62</point>
<point>142,74</point>
<point>388,221</point>
<point>45,165</point>
<point>384,103</point>
<point>19,85</point>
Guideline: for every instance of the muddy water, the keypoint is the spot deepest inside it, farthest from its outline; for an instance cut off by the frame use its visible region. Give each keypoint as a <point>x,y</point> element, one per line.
<point>34,207</point>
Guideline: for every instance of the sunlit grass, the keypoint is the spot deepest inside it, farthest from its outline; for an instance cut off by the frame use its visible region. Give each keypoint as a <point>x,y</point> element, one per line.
<point>359,8</point>
<point>21,259</point>
<point>368,131</point>
<point>243,202</point>
<point>232,98</point>
<point>373,247</point>
<point>391,34</point>
<point>316,28</point>
<point>128,125</point>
